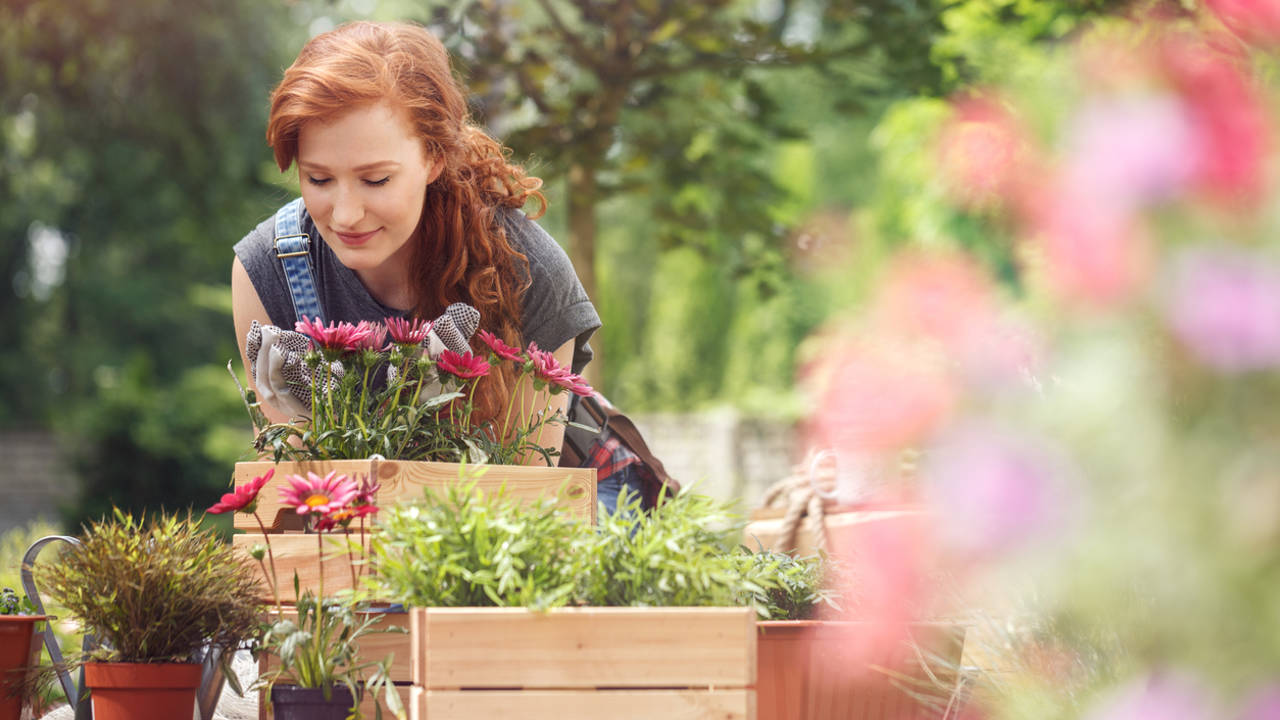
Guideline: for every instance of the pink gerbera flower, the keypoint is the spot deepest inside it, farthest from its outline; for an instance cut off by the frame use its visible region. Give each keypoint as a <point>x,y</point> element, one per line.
<point>411,331</point>
<point>317,494</point>
<point>547,369</point>
<point>343,516</point>
<point>334,336</point>
<point>376,339</point>
<point>580,387</point>
<point>463,365</point>
<point>244,498</point>
<point>500,348</point>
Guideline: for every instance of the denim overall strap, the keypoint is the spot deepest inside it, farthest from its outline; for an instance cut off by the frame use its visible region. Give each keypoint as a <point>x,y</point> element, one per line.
<point>293,249</point>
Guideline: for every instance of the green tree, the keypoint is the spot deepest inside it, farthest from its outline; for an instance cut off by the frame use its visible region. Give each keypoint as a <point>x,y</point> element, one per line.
<point>671,103</point>
<point>131,141</point>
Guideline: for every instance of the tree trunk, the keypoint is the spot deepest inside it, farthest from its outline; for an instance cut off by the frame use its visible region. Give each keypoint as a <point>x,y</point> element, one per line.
<point>582,250</point>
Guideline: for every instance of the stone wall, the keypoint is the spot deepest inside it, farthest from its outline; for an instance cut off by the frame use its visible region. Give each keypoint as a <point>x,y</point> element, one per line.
<point>725,454</point>
<point>34,479</point>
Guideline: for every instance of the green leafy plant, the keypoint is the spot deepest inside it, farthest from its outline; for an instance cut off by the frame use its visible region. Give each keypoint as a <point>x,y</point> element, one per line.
<point>462,548</point>
<point>791,588</point>
<point>11,603</point>
<point>155,592</point>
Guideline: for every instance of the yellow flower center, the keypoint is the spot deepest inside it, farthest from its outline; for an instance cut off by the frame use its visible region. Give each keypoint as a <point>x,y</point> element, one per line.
<point>317,500</point>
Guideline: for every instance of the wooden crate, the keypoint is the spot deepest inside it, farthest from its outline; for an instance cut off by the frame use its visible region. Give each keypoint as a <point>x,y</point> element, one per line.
<point>574,489</point>
<point>670,663</point>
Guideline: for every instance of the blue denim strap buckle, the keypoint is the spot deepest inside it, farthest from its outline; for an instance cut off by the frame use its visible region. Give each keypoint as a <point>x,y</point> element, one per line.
<point>293,248</point>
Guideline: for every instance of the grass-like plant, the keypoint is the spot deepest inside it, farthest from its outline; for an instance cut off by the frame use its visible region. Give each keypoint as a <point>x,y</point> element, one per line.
<point>155,592</point>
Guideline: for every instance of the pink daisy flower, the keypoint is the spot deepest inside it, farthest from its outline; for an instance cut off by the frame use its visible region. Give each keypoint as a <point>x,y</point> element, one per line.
<point>376,338</point>
<point>334,336</point>
<point>411,331</point>
<point>244,498</point>
<point>463,365</point>
<point>500,348</point>
<point>319,495</point>
<point>343,516</point>
<point>547,369</point>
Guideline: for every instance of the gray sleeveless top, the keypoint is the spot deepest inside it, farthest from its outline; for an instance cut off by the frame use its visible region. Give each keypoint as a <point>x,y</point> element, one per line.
<point>555,307</point>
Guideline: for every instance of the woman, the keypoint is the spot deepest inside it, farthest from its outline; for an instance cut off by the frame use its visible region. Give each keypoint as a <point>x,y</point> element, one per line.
<point>417,208</point>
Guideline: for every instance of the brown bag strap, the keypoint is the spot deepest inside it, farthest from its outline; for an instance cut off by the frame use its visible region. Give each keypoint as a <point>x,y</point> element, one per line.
<point>626,430</point>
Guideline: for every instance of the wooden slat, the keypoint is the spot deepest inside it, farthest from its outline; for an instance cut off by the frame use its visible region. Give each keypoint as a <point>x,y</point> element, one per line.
<point>729,704</point>
<point>298,553</point>
<point>374,646</point>
<point>402,480</point>
<point>583,647</point>
<point>367,705</point>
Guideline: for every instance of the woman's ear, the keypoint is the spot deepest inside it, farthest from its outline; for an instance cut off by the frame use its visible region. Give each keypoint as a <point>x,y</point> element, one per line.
<point>437,167</point>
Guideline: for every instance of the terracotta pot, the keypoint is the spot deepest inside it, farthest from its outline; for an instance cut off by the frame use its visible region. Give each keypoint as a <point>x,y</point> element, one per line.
<point>19,648</point>
<point>823,670</point>
<point>160,691</point>
<point>290,702</point>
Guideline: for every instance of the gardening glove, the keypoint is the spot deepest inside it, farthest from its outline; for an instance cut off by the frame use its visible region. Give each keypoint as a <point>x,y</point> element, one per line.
<point>276,362</point>
<point>452,330</point>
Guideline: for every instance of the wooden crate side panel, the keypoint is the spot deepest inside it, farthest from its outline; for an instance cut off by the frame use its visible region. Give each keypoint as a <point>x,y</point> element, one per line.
<point>728,704</point>
<point>374,646</point>
<point>584,648</point>
<point>297,553</point>
<point>575,488</point>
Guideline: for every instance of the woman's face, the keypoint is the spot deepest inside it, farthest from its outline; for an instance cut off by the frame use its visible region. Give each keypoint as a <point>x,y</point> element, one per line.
<point>364,176</point>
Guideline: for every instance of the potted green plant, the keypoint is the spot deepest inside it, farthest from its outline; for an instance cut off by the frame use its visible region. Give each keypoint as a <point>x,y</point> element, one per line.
<point>315,669</point>
<point>648,610</point>
<point>155,594</point>
<point>388,401</point>
<point>19,649</point>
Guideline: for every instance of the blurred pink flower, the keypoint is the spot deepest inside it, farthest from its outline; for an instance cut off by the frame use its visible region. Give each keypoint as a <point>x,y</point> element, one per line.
<point>1093,254</point>
<point>1263,704</point>
<point>1008,353</point>
<point>1228,118</point>
<point>981,152</point>
<point>1224,306</point>
<point>881,398</point>
<point>1159,696</point>
<point>944,296</point>
<point>993,489</point>
<point>1129,149</point>
<point>334,336</point>
<point>1257,21</point>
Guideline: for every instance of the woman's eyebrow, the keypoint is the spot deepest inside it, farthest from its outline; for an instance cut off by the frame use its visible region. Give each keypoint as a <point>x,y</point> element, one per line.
<point>381,164</point>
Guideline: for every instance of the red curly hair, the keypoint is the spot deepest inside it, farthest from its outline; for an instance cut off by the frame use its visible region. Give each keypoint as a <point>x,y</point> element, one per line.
<point>364,63</point>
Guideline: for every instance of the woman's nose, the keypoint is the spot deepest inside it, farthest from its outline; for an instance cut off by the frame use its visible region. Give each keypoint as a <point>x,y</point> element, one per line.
<point>348,210</point>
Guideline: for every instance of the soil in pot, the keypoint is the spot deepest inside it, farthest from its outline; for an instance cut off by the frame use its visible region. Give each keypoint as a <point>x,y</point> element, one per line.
<point>290,702</point>
<point>19,649</point>
<point>159,691</point>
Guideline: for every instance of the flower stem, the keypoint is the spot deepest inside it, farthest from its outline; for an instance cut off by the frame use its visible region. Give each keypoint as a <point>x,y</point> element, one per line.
<point>271,579</point>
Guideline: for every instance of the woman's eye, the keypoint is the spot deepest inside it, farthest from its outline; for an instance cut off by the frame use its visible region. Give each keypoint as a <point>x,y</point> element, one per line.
<point>317,181</point>
<point>375,183</point>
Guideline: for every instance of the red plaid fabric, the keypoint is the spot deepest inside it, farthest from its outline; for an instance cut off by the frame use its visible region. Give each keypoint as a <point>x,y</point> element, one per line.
<point>609,456</point>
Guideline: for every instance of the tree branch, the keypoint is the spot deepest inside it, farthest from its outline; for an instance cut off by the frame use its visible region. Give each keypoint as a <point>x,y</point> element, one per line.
<point>577,49</point>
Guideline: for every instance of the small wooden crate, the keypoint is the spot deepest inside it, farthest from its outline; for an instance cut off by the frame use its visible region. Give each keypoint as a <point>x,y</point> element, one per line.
<point>573,488</point>
<point>617,663</point>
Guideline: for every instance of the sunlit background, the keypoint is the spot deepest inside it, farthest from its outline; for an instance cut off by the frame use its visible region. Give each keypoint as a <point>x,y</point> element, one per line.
<point>1015,262</point>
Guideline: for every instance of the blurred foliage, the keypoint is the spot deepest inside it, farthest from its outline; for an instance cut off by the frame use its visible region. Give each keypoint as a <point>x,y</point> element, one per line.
<point>742,184</point>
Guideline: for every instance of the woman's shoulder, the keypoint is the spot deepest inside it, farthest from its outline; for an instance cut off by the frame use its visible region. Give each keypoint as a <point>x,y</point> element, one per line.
<point>547,260</point>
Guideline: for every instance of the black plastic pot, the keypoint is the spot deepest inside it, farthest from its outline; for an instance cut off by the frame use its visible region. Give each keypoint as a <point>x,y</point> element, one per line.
<point>290,702</point>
